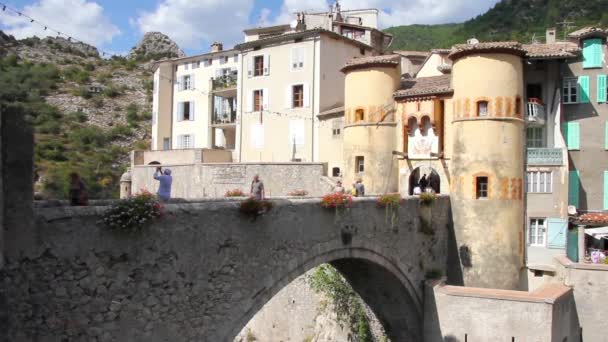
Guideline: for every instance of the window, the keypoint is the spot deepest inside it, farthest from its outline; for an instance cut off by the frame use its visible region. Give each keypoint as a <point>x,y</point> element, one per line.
<point>236,58</point>
<point>359,164</point>
<point>195,65</point>
<point>361,51</point>
<point>223,59</point>
<point>572,134</point>
<point>537,232</point>
<point>258,66</point>
<point>186,66</point>
<point>359,115</point>
<point>335,172</point>
<point>539,182</point>
<point>353,33</point>
<point>297,58</point>
<point>592,53</point>
<point>481,187</point>
<point>570,90</point>
<point>535,137</point>
<point>482,108</point>
<point>336,129</point>
<point>258,100</point>
<point>185,141</point>
<point>166,143</point>
<point>297,96</point>
<point>185,111</point>
<point>187,82</point>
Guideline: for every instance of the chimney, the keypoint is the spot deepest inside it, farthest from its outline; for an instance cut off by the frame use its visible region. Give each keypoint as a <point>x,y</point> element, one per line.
<point>217,47</point>
<point>551,35</point>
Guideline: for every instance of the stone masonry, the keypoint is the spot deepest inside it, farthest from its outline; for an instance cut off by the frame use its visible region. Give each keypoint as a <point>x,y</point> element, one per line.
<point>202,272</point>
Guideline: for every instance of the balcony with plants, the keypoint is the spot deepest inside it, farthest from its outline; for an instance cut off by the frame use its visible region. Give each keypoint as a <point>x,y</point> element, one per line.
<point>535,111</point>
<point>225,82</point>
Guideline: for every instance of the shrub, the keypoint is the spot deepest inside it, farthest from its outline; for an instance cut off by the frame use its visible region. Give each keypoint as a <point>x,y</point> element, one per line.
<point>235,193</point>
<point>87,136</point>
<point>49,127</point>
<point>253,208</point>
<point>389,200</point>
<point>111,91</point>
<point>120,131</point>
<point>298,193</point>
<point>336,200</point>
<point>134,213</point>
<point>78,117</point>
<point>82,92</point>
<point>97,102</point>
<point>427,198</point>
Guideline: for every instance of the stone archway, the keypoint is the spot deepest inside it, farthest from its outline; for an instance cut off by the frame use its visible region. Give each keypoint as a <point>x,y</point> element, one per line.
<point>433,180</point>
<point>378,281</point>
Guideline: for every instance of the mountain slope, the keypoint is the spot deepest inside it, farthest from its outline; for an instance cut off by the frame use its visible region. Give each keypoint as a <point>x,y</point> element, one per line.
<point>519,20</point>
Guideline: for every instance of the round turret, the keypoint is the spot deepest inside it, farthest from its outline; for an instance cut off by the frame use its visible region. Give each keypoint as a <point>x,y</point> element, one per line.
<point>125,184</point>
<point>488,166</point>
<point>370,127</point>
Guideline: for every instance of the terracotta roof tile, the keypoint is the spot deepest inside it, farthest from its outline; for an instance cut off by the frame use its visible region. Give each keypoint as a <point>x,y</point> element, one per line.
<point>460,50</point>
<point>556,50</point>
<point>587,32</point>
<point>409,53</point>
<point>441,51</point>
<point>425,86</point>
<point>362,62</point>
<point>593,218</point>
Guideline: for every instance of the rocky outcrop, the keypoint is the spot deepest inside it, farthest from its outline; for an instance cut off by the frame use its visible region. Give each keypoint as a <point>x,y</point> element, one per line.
<point>6,41</point>
<point>69,45</point>
<point>155,45</point>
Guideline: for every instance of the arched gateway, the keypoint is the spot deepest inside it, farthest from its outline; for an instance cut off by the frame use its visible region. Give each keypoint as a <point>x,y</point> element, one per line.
<point>202,272</point>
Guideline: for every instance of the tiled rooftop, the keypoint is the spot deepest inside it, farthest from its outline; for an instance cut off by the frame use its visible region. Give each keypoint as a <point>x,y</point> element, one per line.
<point>409,53</point>
<point>588,31</point>
<point>557,50</point>
<point>425,86</point>
<point>595,219</point>
<point>361,62</point>
<point>460,50</point>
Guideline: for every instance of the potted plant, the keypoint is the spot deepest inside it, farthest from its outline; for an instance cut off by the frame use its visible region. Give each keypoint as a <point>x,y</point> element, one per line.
<point>337,201</point>
<point>253,208</point>
<point>390,203</point>
<point>235,193</point>
<point>132,214</point>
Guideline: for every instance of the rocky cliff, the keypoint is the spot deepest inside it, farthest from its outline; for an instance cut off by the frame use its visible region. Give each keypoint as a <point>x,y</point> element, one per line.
<point>155,45</point>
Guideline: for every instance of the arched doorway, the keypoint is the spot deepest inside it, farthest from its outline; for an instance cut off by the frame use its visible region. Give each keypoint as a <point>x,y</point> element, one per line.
<point>433,181</point>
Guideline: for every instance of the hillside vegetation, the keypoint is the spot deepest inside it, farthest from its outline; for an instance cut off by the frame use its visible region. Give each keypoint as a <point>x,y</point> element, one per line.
<point>520,20</point>
<point>77,130</point>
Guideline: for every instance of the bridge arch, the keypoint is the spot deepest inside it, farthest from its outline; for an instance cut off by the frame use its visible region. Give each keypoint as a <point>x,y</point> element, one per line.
<point>382,285</point>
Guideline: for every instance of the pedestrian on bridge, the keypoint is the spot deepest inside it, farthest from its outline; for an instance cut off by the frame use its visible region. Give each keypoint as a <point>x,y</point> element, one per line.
<point>257,188</point>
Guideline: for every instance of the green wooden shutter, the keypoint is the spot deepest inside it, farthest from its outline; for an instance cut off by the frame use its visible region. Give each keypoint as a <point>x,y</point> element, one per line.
<point>572,134</point>
<point>592,53</point>
<point>583,87</point>
<point>605,190</point>
<point>606,136</point>
<point>556,232</point>
<point>573,187</point>
<point>601,88</point>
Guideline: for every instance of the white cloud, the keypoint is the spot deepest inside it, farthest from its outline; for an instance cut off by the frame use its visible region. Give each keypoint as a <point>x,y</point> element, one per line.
<point>196,24</point>
<point>86,22</point>
<point>398,12</point>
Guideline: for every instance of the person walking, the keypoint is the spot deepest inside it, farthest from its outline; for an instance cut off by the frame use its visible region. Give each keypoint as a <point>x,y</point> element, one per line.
<point>359,188</point>
<point>165,180</point>
<point>257,188</point>
<point>78,191</point>
<point>423,183</point>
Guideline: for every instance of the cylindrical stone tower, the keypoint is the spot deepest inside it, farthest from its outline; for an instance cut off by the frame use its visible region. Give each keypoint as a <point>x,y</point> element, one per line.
<point>488,165</point>
<point>125,184</point>
<point>370,127</point>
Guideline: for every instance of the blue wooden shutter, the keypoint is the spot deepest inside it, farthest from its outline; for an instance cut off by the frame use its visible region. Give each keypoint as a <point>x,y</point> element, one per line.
<point>592,53</point>
<point>572,134</point>
<point>605,190</point>
<point>583,87</point>
<point>601,88</point>
<point>573,188</point>
<point>556,232</point>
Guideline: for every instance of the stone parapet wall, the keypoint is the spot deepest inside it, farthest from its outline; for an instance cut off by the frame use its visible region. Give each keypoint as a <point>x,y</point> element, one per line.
<point>191,181</point>
<point>203,271</point>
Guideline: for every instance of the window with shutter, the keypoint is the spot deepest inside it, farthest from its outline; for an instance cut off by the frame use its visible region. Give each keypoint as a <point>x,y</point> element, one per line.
<point>601,88</point>
<point>572,133</point>
<point>266,65</point>
<point>606,136</point>
<point>556,233</point>
<point>592,53</point>
<point>258,65</point>
<point>583,85</point>
<point>297,96</point>
<point>570,90</point>
<point>573,188</point>
<point>605,190</point>
<point>258,101</point>
<point>537,232</point>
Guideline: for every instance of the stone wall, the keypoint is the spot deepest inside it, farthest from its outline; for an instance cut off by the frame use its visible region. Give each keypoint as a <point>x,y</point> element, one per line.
<point>202,272</point>
<point>193,181</point>
<point>459,314</point>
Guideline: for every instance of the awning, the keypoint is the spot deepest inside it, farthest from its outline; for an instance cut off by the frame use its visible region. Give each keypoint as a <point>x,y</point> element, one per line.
<point>597,233</point>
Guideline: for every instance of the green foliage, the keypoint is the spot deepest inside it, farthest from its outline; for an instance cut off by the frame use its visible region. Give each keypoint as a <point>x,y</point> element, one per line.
<point>132,115</point>
<point>88,137</point>
<point>82,92</point>
<point>79,117</point>
<point>104,77</point>
<point>97,101</point>
<point>427,198</point>
<point>507,20</point>
<point>111,91</point>
<point>347,305</point>
<point>250,336</point>
<point>134,213</point>
<point>76,74</point>
<point>120,132</point>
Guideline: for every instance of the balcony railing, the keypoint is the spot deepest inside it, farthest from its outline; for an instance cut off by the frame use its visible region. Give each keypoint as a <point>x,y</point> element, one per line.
<point>225,82</point>
<point>535,111</point>
<point>223,118</point>
<point>545,156</point>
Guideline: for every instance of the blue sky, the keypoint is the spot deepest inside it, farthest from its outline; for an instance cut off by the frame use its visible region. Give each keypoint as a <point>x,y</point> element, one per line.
<point>116,25</point>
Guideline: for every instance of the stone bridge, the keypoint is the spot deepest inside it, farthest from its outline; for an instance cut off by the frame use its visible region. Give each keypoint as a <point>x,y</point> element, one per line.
<point>203,271</point>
